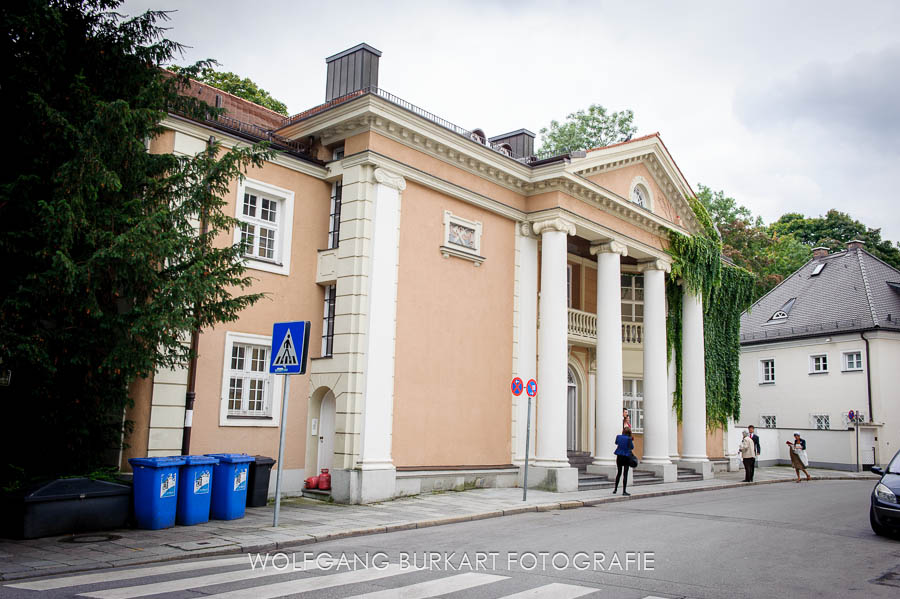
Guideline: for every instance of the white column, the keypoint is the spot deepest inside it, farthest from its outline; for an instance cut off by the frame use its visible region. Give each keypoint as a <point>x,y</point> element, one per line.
<point>609,350</point>
<point>527,330</point>
<point>378,407</point>
<point>656,422</point>
<point>693,373</point>
<point>673,416</point>
<point>552,345</point>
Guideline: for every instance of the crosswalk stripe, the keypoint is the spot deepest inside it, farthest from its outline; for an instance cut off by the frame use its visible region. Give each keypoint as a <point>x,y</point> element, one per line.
<point>131,573</point>
<point>555,590</point>
<point>302,585</point>
<point>183,584</point>
<point>432,588</point>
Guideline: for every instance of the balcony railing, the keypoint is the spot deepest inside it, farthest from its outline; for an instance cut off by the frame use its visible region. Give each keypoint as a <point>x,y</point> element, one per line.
<point>583,327</point>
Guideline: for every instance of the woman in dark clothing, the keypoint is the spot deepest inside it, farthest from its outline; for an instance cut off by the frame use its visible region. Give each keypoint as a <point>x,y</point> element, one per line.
<point>624,447</point>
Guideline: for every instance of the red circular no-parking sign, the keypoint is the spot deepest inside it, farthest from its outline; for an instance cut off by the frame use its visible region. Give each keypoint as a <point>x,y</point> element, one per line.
<point>516,386</point>
<point>531,388</point>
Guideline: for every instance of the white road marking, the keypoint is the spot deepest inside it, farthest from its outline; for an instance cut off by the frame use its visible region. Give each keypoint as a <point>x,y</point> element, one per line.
<point>131,573</point>
<point>555,590</point>
<point>314,583</point>
<point>183,584</point>
<point>433,588</point>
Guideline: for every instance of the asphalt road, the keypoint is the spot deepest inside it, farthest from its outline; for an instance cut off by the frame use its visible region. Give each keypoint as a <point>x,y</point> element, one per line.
<point>790,540</point>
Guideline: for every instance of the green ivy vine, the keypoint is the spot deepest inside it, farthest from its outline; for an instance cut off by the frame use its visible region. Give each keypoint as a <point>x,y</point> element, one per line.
<point>727,291</point>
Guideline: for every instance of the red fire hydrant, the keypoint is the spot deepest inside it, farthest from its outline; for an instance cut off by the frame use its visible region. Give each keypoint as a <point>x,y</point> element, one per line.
<point>312,482</point>
<point>324,480</point>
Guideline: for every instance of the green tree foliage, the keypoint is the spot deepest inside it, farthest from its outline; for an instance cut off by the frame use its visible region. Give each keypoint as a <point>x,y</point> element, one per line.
<point>242,88</point>
<point>750,244</point>
<point>104,267</point>
<point>833,231</point>
<point>727,291</point>
<point>586,129</point>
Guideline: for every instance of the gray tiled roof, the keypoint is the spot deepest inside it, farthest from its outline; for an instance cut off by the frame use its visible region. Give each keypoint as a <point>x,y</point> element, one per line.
<point>851,293</point>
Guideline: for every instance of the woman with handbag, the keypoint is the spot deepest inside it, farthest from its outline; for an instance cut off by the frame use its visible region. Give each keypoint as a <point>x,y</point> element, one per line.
<point>624,457</point>
<point>799,461</point>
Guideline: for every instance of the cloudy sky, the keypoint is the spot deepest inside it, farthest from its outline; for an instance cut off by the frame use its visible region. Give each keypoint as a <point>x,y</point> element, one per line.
<point>786,106</point>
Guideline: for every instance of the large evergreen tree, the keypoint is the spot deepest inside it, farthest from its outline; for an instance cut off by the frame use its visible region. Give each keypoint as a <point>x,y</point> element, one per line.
<point>104,268</point>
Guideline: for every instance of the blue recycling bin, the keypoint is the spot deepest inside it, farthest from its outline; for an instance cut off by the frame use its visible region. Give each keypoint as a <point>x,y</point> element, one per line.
<point>195,490</point>
<point>155,491</point>
<point>229,486</point>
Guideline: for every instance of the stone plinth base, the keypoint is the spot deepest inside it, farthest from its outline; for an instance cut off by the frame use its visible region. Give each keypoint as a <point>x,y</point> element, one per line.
<point>363,486</point>
<point>668,472</point>
<point>704,467</point>
<point>558,480</point>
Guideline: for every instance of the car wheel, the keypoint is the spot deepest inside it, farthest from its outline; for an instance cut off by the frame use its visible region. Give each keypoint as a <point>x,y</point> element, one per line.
<point>877,528</point>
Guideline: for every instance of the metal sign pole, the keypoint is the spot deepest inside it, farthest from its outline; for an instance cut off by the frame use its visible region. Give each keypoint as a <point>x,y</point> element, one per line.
<point>284,409</point>
<point>527,446</point>
<point>856,426</point>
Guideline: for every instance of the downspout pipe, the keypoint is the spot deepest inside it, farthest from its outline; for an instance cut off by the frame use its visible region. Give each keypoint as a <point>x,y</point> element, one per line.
<point>191,394</point>
<point>868,376</point>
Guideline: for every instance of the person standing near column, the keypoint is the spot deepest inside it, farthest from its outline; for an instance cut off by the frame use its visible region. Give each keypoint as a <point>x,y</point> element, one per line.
<point>748,454</point>
<point>624,447</point>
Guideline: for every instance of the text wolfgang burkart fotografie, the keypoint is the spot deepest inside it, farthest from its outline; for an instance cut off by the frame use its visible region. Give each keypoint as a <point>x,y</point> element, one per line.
<point>443,561</point>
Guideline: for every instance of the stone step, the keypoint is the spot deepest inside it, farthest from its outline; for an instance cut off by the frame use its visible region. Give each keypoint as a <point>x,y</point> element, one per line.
<point>317,494</point>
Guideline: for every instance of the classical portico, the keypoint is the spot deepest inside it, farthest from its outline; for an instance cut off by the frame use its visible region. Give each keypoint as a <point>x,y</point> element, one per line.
<point>605,335</point>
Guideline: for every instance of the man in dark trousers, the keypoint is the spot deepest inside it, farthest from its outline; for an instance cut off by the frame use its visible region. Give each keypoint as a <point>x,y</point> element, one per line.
<point>755,438</point>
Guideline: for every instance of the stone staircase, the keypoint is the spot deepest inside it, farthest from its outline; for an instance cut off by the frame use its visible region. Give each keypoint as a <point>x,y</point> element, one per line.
<point>588,481</point>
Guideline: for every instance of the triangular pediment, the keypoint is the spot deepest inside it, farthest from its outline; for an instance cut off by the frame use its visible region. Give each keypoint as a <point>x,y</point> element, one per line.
<point>650,154</point>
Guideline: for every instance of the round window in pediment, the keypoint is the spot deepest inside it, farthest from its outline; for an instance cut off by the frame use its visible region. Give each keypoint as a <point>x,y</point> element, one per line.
<point>640,196</point>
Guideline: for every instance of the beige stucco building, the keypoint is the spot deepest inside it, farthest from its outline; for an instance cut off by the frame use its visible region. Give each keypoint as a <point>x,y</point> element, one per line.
<point>435,264</point>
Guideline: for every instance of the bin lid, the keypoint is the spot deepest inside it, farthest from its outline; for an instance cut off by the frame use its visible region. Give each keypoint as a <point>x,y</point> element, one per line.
<point>162,462</point>
<point>199,460</point>
<point>264,460</point>
<point>232,458</point>
<point>74,488</point>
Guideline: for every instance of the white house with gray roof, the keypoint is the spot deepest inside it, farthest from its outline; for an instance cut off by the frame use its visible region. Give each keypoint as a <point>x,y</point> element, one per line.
<point>823,343</point>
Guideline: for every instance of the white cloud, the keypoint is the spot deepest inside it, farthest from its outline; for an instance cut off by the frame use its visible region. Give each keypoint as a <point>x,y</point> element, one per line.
<point>732,87</point>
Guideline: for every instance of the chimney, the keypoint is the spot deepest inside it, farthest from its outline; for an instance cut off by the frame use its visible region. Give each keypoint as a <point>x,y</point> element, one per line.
<point>820,252</point>
<point>521,142</point>
<point>855,244</point>
<point>351,70</point>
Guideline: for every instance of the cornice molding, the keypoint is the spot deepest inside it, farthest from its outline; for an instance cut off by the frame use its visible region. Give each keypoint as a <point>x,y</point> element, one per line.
<point>390,179</point>
<point>372,113</point>
<point>194,129</point>
<point>557,223</point>
<point>610,247</point>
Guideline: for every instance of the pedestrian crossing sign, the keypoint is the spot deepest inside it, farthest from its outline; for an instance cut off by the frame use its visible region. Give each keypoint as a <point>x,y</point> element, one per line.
<point>290,347</point>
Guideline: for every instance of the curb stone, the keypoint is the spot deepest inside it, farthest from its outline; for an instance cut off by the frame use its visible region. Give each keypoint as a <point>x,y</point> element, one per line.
<point>310,539</point>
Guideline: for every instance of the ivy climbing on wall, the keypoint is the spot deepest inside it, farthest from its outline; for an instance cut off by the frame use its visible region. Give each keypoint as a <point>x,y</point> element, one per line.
<point>727,291</point>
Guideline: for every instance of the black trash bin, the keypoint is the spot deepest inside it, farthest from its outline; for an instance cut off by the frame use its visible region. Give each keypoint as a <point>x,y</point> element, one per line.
<point>258,488</point>
<point>67,506</point>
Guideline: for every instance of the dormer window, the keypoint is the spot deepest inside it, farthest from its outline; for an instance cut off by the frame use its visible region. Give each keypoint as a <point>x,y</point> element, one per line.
<point>785,310</point>
<point>478,136</point>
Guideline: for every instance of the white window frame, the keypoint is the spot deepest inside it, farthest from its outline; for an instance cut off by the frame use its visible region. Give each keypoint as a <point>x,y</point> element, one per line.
<point>812,364</point>
<point>273,385</point>
<point>636,408</point>
<point>846,362</point>
<point>764,423</point>
<point>633,302</point>
<point>281,263</point>
<point>465,252</point>
<point>815,419</point>
<point>762,371</point>
<point>639,180</point>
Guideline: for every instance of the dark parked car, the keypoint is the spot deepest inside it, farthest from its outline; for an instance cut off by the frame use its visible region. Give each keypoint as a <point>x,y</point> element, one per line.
<point>884,515</point>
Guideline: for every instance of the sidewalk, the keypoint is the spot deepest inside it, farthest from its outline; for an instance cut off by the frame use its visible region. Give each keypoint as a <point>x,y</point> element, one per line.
<point>304,521</point>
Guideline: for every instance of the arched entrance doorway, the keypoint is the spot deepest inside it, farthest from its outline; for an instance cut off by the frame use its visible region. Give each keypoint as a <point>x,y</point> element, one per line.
<point>326,432</point>
<point>572,405</point>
